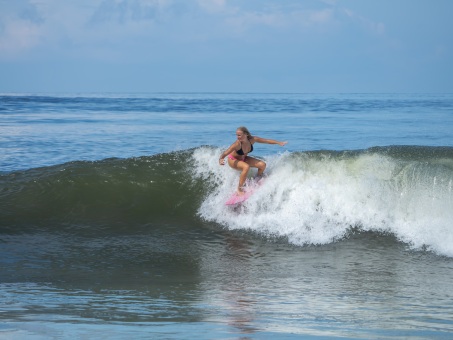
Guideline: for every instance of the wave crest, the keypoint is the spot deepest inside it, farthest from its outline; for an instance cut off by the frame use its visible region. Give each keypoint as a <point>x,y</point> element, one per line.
<point>319,197</point>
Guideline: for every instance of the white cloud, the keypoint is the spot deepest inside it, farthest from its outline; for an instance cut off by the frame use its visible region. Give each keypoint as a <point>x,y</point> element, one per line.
<point>375,27</point>
<point>77,26</point>
<point>241,22</point>
<point>321,16</point>
<point>291,18</point>
<point>20,28</point>
<point>124,11</point>
<point>212,5</point>
<point>18,35</point>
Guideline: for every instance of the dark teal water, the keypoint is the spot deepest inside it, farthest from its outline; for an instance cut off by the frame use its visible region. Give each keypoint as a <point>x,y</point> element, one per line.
<point>113,223</point>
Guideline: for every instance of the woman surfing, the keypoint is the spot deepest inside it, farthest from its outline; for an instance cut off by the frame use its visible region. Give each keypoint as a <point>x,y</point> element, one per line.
<point>238,155</point>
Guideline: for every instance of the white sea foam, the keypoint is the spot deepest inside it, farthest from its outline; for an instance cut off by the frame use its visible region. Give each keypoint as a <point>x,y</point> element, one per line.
<point>317,198</point>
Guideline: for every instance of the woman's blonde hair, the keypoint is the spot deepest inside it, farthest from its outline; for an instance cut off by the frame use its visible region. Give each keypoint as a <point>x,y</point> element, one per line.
<point>246,131</point>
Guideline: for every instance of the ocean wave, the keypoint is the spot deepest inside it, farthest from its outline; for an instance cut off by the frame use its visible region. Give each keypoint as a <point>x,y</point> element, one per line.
<point>103,193</point>
<point>320,197</point>
<point>316,197</point>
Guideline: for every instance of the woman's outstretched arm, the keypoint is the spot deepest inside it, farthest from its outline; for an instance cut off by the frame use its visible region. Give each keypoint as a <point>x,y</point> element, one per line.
<point>269,141</point>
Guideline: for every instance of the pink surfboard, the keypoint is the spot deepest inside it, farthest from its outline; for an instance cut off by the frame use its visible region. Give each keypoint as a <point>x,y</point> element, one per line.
<point>236,198</point>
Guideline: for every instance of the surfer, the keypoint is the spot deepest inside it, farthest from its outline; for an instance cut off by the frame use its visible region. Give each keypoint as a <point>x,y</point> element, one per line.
<point>238,155</point>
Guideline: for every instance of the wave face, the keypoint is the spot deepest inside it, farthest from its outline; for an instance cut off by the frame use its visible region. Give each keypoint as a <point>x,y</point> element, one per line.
<point>321,197</point>
<point>308,197</point>
<point>112,192</point>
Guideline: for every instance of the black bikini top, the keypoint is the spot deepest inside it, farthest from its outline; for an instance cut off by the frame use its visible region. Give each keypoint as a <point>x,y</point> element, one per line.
<point>241,152</point>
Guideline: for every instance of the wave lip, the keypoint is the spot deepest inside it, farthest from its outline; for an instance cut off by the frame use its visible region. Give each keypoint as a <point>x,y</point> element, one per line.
<point>319,197</point>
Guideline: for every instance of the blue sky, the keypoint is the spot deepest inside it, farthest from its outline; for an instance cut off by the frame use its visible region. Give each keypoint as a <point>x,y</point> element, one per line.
<point>226,46</point>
